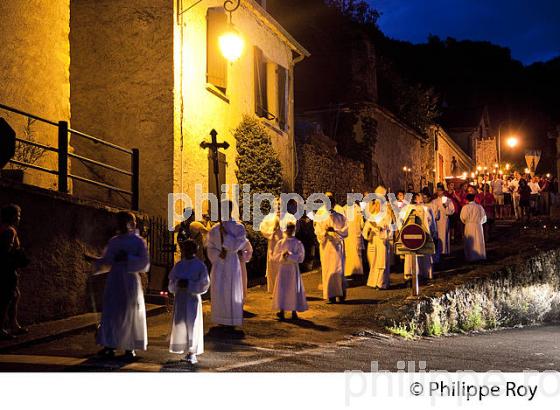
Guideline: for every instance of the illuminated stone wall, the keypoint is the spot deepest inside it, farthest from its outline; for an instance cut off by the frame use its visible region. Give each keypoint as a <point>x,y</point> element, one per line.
<point>398,146</point>
<point>34,71</point>
<point>57,231</point>
<point>320,169</point>
<point>205,108</point>
<point>138,77</point>
<point>121,77</point>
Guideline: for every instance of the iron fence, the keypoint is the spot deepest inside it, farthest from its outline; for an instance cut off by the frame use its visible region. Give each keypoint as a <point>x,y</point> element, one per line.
<point>62,151</point>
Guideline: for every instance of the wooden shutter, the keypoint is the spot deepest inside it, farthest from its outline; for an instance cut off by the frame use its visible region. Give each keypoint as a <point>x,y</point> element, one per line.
<point>261,106</point>
<point>283,97</point>
<point>216,63</point>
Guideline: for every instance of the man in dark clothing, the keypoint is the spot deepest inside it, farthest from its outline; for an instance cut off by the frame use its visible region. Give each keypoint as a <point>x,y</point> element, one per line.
<point>12,257</point>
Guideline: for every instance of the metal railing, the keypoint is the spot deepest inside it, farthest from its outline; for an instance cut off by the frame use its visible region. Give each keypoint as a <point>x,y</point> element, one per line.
<point>64,131</point>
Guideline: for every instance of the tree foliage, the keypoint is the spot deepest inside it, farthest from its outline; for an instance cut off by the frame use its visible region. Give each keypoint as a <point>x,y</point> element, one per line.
<point>259,166</point>
<point>257,162</point>
<point>358,10</point>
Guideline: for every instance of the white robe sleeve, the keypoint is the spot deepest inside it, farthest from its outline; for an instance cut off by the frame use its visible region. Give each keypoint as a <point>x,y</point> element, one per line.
<point>247,252</point>
<point>297,254</point>
<point>450,210</point>
<point>140,260</point>
<point>320,227</point>
<point>106,259</point>
<point>279,249</point>
<point>483,217</point>
<point>173,279</point>
<point>214,244</point>
<point>341,226</point>
<point>464,214</point>
<point>268,226</point>
<point>201,282</point>
<point>234,237</point>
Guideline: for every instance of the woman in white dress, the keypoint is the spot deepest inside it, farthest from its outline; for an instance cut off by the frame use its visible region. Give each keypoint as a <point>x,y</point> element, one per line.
<point>188,280</point>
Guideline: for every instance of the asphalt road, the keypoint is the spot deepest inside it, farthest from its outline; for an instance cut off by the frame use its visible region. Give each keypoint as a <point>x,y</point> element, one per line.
<point>533,348</point>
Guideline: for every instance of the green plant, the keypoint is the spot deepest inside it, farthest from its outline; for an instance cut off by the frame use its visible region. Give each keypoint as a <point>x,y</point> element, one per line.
<point>258,165</point>
<point>474,320</point>
<point>402,330</point>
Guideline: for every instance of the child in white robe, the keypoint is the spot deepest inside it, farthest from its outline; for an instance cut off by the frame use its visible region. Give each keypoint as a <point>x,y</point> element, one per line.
<point>289,293</point>
<point>188,280</point>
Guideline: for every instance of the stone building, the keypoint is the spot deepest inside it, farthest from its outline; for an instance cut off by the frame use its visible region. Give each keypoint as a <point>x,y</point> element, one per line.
<point>470,129</point>
<point>149,74</point>
<point>451,160</point>
<point>337,92</point>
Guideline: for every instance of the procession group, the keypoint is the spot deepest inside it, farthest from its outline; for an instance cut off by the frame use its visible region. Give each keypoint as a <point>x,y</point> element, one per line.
<point>352,240</point>
<point>343,234</point>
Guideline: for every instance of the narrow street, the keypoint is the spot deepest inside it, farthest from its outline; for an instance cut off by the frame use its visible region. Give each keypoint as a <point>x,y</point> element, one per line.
<point>326,338</point>
<point>534,348</point>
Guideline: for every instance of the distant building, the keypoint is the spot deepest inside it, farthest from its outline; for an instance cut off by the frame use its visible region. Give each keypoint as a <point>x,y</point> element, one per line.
<point>470,128</point>
<point>446,152</point>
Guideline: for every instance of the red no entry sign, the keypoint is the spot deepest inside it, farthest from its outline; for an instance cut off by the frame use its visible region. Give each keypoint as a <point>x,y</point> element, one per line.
<point>413,237</point>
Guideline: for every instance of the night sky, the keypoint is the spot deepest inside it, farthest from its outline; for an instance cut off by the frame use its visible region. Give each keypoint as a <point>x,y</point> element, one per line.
<point>530,28</point>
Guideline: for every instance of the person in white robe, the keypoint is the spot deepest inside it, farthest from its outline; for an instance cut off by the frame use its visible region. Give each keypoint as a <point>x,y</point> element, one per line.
<point>474,216</point>
<point>123,321</point>
<point>331,230</point>
<point>188,280</point>
<point>225,241</point>
<point>443,208</point>
<point>420,265</point>
<point>245,255</point>
<point>289,293</point>
<point>376,232</point>
<point>272,227</point>
<point>353,244</point>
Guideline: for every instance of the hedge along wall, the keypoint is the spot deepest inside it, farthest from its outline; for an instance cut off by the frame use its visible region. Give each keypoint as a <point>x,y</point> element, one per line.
<point>321,170</point>
<point>56,231</point>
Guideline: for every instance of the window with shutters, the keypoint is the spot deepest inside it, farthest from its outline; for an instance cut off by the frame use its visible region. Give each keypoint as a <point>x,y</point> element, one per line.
<point>261,95</point>
<point>216,63</point>
<point>283,96</point>
<point>271,90</point>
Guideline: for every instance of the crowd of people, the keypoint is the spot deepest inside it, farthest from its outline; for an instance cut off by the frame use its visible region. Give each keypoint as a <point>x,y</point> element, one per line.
<point>354,241</point>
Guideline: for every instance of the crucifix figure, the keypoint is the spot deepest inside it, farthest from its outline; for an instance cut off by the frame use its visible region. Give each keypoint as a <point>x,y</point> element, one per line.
<point>214,146</point>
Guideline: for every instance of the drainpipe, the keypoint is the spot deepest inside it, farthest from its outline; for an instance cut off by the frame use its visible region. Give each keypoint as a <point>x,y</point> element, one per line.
<point>295,163</point>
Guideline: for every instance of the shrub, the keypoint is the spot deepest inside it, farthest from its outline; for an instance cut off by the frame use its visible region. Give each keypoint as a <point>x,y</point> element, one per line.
<point>259,166</point>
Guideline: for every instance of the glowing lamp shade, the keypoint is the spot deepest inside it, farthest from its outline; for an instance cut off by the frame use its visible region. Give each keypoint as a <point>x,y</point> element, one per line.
<point>512,142</point>
<point>231,45</point>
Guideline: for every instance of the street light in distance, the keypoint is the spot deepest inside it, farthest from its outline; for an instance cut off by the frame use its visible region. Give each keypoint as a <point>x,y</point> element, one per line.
<point>512,141</point>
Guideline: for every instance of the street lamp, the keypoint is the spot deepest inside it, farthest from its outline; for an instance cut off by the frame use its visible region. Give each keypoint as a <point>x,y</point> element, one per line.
<point>231,42</point>
<point>512,142</point>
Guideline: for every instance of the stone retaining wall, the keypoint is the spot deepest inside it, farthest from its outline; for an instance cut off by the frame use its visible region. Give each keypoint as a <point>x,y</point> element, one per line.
<point>56,231</point>
<point>321,171</point>
<point>523,292</point>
